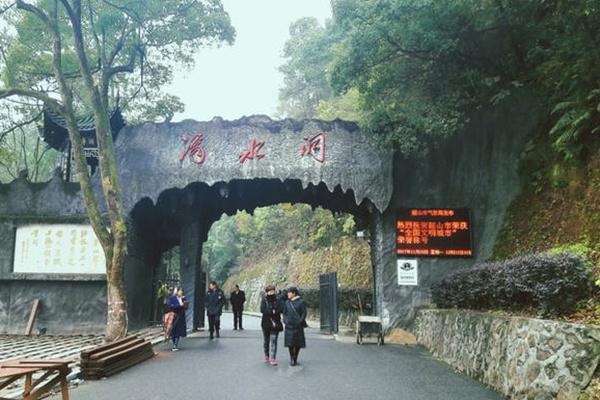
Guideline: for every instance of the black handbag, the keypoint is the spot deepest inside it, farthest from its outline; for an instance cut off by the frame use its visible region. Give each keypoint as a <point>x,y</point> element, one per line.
<point>276,325</point>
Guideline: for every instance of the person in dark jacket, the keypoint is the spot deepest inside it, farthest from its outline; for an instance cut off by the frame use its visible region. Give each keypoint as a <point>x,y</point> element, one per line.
<point>237,299</point>
<point>214,302</point>
<point>294,317</point>
<point>271,307</point>
<point>177,329</point>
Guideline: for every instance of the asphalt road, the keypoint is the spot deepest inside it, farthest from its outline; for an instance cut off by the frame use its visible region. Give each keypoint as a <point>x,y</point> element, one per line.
<point>231,368</point>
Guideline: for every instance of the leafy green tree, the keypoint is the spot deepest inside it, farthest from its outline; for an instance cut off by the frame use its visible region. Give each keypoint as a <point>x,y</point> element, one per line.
<point>417,70</point>
<point>566,54</point>
<point>420,65</point>
<point>234,239</point>
<point>308,51</point>
<point>73,57</point>
<point>345,107</point>
<point>222,250</point>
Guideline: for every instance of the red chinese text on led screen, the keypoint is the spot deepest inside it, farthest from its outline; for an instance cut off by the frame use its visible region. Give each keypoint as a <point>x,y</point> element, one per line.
<point>433,232</point>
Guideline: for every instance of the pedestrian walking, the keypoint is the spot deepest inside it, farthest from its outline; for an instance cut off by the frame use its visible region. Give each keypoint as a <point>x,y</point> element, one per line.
<point>175,323</point>
<point>237,299</point>
<point>214,301</point>
<point>294,317</point>
<point>271,307</point>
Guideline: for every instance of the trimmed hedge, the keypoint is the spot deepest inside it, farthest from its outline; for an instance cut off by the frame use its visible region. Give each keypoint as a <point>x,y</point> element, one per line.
<point>551,284</point>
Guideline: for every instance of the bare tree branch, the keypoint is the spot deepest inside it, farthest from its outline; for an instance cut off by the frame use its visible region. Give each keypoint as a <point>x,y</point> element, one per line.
<point>37,12</point>
<point>8,7</point>
<point>23,144</point>
<point>18,125</point>
<point>129,67</point>
<point>99,47</point>
<point>119,45</point>
<point>130,13</point>
<point>53,104</point>
<point>8,169</point>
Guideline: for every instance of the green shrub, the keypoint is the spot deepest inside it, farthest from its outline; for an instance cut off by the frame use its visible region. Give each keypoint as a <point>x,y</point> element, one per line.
<point>552,284</point>
<point>580,250</point>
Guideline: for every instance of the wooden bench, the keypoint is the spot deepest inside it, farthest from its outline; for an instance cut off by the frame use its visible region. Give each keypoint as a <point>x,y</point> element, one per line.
<point>109,359</point>
<point>11,371</point>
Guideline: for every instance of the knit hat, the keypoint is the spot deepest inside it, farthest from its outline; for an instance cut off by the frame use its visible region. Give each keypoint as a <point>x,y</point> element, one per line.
<point>293,289</point>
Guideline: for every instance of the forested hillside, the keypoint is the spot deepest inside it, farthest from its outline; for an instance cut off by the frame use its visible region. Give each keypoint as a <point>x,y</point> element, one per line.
<point>284,245</point>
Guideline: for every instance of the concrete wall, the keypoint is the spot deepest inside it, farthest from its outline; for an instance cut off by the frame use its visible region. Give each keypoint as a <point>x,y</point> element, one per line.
<point>477,169</point>
<point>522,358</point>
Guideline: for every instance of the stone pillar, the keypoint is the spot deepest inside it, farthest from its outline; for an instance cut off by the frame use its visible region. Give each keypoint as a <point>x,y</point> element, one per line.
<point>191,274</point>
<point>377,259</point>
<point>199,309</point>
<point>138,266</point>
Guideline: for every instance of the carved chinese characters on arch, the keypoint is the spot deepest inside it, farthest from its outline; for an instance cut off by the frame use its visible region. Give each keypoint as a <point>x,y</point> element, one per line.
<point>175,155</point>
<point>194,149</point>
<point>253,152</point>
<point>314,147</point>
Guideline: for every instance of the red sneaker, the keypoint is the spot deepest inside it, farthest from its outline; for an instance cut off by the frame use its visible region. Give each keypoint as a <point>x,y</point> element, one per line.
<point>266,359</point>
<point>273,361</point>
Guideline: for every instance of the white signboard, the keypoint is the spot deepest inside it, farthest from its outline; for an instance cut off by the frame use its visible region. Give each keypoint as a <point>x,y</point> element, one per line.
<point>58,249</point>
<point>408,272</point>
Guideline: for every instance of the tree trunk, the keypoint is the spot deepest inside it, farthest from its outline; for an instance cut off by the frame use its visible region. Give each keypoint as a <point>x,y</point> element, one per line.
<point>117,297</point>
<point>116,293</point>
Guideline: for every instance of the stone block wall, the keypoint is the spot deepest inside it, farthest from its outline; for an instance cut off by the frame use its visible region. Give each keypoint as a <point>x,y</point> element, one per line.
<point>522,358</point>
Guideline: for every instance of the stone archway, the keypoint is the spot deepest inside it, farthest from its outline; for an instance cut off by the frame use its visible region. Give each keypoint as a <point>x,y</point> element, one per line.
<point>178,179</point>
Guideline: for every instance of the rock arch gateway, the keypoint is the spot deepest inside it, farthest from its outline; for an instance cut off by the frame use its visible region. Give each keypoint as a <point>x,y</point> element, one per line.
<point>178,179</point>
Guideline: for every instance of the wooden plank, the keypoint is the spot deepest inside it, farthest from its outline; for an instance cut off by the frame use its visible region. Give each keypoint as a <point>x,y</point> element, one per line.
<point>64,388</point>
<point>34,312</point>
<point>117,349</point>
<point>103,366</point>
<point>99,373</point>
<point>130,363</point>
<point>145,346</point>
<point>46,388</point>
<point>9,381</point>
<point>88,353</point>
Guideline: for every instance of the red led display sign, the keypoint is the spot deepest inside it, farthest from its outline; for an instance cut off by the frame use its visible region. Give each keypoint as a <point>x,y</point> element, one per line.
<point>433,232</point>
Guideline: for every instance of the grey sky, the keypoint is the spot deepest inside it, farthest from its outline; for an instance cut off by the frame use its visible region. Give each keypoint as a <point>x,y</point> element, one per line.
<point>243,79</point>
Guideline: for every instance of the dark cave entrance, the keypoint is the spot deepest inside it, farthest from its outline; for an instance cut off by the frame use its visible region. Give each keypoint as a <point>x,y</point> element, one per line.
<point>181,219</point>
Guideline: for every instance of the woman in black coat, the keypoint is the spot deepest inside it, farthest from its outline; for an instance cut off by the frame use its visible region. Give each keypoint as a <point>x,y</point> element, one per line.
<point>271,307</point>
<point>294,317</point>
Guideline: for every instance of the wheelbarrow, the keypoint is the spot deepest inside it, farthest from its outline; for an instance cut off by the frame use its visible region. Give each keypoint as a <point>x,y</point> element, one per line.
<point>368,326</point>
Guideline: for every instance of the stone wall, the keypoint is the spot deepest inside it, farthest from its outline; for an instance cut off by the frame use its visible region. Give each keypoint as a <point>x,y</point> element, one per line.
<point>66,306</point>
<point>522,358</point>
<point>477,169</point>
<point>70,303</point>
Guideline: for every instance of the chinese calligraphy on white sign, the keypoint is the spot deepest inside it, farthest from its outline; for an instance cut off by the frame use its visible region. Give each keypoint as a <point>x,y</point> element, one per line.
<point>58,249</point>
